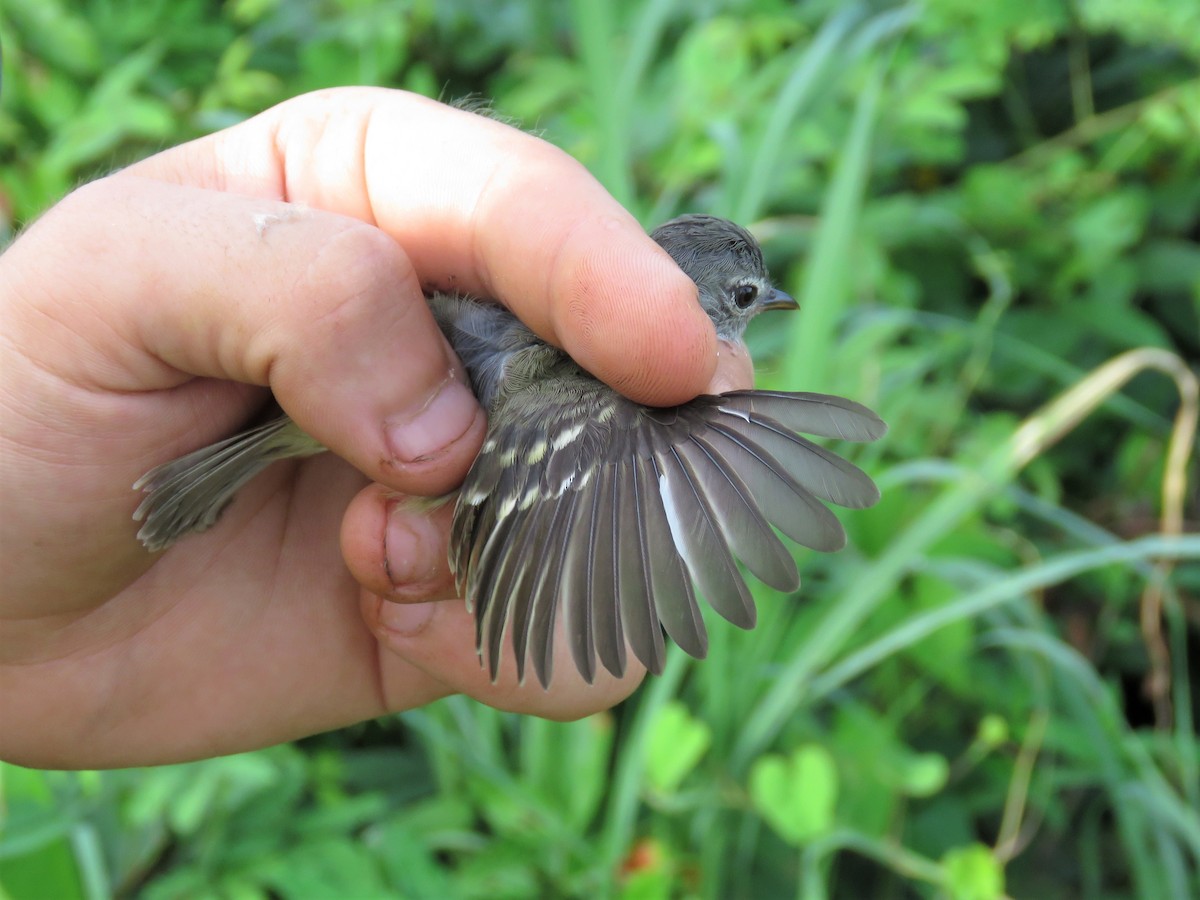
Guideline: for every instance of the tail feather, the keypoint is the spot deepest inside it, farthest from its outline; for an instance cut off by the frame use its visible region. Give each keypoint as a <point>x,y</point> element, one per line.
<point>190,493</point>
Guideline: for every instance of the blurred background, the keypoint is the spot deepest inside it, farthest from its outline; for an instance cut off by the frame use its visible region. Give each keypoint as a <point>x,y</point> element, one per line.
<point>990,213</point>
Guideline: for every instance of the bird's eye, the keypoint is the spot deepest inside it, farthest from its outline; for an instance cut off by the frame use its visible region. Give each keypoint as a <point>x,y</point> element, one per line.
<point>744,295</point>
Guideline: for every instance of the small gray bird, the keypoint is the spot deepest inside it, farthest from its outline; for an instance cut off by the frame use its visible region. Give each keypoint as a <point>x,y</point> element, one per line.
<point>585,504</point>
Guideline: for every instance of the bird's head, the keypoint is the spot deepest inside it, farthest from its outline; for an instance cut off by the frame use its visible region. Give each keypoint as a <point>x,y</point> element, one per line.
<point>726,263</point>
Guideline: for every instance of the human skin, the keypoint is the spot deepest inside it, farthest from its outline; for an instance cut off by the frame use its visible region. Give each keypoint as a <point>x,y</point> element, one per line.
<point>148,313</point>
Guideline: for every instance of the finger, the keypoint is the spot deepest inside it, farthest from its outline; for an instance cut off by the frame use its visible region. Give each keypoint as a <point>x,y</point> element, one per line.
<point>323,308</point>
<point>396,550</point>
<point>242,640</point>
<point>481,207</point>
<point>439,640</point>
<point>399,554</point>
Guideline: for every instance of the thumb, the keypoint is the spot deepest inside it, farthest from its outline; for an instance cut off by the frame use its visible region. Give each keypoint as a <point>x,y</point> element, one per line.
<point>322,308</point>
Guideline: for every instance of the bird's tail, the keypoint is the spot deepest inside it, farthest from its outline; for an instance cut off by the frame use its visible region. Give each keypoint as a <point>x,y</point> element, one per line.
<point>189,493</point>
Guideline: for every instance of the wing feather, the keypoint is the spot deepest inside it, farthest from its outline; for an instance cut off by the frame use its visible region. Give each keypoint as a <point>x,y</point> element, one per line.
<point>738,516</point>
<point>821,414</point>
<point>617,517</point>
<point>577,578</point>
<point>783,502</point>
<point>671,586</point>
<point>823,473</point>
<point>696,532</point>
<point>634,591</point>
<point>604,575</point>
<point>547,588</point>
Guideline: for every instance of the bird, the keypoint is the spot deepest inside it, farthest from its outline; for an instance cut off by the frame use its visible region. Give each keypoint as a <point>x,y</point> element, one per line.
<point>586,505</point>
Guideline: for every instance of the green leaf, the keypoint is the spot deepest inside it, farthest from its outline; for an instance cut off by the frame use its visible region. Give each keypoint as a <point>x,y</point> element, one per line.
<point>944,653</point>
<point>407,850</point>
<point>649,884</point>
<point>825,291</point>
<point>676,743</point>
<point>499,872</point>
<point>993,731</point>
<point>924,774</point>
<point>796,794</point>
<point>973,873</point>
<point>1107,227</point>
<point>48,871</point>
<point>63,38</point>
<point>335,867</point>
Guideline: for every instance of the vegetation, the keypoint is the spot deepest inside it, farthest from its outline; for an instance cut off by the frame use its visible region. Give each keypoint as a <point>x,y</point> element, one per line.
<point>990,214</point>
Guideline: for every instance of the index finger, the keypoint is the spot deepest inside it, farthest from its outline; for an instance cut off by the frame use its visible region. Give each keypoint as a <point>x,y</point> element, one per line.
<point>480,207</point>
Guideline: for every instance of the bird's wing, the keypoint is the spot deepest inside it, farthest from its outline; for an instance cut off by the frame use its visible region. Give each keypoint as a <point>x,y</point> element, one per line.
<point>615,515</point>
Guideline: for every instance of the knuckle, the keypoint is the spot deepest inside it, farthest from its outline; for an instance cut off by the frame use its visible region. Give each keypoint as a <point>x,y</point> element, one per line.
<point>355,292</point>
<point>90,204</point>
<point>360,266</point>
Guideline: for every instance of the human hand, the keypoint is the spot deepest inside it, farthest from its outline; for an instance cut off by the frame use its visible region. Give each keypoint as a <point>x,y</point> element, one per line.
<point>146,315</point>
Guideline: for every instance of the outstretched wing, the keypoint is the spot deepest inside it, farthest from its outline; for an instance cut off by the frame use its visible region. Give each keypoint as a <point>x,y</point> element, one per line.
<point>617,515</point>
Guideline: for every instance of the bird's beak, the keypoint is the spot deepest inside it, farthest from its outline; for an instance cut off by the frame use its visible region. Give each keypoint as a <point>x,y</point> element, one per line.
<point>778,299</point>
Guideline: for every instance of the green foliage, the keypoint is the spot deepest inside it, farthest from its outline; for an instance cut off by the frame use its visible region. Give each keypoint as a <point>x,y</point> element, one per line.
<point>972,873</point>
<point>676,743</point>
<point>796,795</point>
<point>981,207</point>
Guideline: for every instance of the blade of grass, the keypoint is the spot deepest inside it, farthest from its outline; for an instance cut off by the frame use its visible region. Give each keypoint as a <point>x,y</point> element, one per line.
<point>824,295</point>
<point>1020,351</point>
<point>1141,797</point>
<point>489,766</point>
<point>1173,866</point>
<point>874,583</point>
<point>625,790</point>
<point>595,33</point>
<point>1187,746</point>
<point>89,859</point>
<point>1095,699</point>
<point>1086,701</point>
<point>1071,524</point>
<point>645,34</point>
<point>1052,571</point>
<point>802,85</point>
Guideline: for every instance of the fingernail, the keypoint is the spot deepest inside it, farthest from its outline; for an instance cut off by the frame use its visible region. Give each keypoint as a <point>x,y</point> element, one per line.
<point>435,426</point>
<point>410,545</point>
<point>405,618</point>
